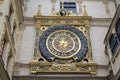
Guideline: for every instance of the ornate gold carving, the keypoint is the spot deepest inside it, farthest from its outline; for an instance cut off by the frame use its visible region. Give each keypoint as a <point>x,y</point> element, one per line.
<point>86,65</point>
<point>87,26</point>
<point>39,10</point>
<point>82,28</point>
<point>58,20</point>
<point>62,5</point>
<point>88,68</point>
<point>43,28</point>
<point>62,22</point>
<point>85,11</point>
<point>38,24</point>
<point>75,22</point>
<point>50,22</point>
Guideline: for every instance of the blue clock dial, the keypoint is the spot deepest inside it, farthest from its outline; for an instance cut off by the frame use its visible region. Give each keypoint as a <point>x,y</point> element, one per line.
<point>63,42</point>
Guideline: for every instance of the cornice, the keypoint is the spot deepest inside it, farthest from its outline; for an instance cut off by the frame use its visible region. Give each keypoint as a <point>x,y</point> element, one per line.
<point>96,22</point>
<point>103,22</point>
<point>28,21</point>
<point>18,64</point>
<point>63,17</point>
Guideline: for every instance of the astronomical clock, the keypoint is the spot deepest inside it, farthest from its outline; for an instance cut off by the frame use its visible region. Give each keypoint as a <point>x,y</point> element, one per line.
<point>62,44</point>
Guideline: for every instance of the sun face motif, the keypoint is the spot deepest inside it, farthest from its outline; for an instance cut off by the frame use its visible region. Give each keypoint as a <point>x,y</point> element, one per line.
<point>63,44</point>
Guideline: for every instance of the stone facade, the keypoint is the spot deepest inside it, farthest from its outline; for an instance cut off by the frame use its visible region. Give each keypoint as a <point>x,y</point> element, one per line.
<point>113,55</point>
<point>23,41</point>
<point>10,21</point>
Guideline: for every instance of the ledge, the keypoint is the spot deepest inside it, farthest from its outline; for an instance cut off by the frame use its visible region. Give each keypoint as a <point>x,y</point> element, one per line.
<point>59,77</point>
<point>104,22</point>
<point>96,22</point>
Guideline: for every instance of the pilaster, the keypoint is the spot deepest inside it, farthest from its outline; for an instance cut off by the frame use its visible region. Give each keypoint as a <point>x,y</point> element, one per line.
<point>105,2</point>
<point>80,6</point>
<point>53,5</point>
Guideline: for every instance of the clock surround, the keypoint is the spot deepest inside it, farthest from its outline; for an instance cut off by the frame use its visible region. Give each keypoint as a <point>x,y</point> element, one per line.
<point>79,45</point>
<point>41,64</point>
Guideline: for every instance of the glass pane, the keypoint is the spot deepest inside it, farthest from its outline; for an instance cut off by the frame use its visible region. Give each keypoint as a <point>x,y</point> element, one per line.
<point>69,6</point>
<point>117,27</point>
<point>113,43</point>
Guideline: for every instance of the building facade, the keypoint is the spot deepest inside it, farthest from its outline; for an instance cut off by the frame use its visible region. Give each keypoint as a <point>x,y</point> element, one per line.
<point>59,40</point>
<point>10,20</point>
<point>112,42</point>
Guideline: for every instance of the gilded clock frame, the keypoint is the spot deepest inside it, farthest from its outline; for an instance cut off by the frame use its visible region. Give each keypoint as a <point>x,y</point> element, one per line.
<point>80,22</point>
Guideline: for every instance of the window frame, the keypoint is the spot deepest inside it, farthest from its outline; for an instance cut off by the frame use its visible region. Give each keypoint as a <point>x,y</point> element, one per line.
<point>69,7</point>
<point>117,29</point>
<point>113,43</point>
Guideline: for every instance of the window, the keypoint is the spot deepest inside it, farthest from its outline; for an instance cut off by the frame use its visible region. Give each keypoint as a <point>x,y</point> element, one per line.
<point>69,6</point>
<point>115,39</point>
<point>117,28</point>
<point>113,43</point>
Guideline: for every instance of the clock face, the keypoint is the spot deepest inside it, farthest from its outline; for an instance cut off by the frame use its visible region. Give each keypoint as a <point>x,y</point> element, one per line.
<point>63,43</point>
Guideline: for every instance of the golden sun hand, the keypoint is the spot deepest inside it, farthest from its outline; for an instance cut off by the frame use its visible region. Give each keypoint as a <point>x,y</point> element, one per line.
<point>63,43</point>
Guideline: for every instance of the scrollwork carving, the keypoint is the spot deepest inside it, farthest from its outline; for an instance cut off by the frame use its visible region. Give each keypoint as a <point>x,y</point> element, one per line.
<point>54,67</point>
